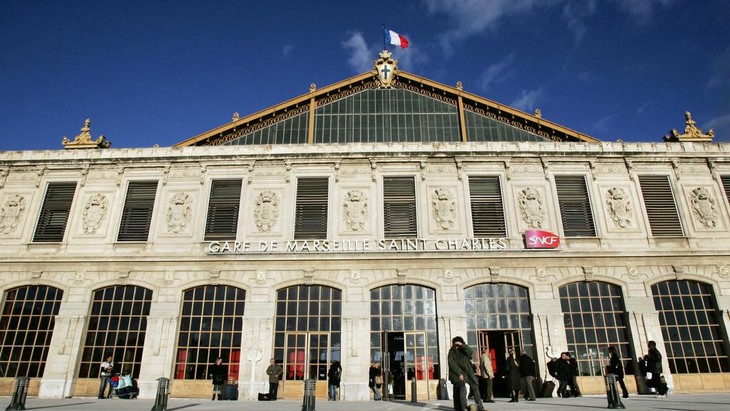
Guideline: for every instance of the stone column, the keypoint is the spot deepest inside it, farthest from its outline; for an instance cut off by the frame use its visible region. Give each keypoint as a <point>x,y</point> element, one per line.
<point>256,344</point>
<point>158,356</point>
<point>59,376</point>
<point>644,323</point>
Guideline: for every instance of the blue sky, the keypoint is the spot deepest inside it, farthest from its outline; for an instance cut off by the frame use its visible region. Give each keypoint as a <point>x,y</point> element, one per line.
<point>158,72</point>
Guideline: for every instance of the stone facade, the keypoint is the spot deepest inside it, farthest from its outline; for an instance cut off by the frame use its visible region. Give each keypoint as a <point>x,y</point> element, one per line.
<point>623,252</point>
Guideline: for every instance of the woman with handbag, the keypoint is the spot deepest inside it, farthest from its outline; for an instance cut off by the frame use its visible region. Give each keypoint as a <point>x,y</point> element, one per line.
<point>375,380</point>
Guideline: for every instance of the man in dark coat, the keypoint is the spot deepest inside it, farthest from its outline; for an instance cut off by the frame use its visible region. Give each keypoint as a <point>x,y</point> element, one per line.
<point>274,371</point>
<point>574,372</point>
<point>654,366</point>
<point>462,373</point>
<point>527,375</point>
<point>219,373</point>
<point>562,373</point>
<point>512,372</point>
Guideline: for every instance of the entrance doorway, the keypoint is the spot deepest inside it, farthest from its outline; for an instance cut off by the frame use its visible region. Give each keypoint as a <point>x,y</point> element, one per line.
<point>306,356</point>
<point>405,361</point>
<point>498,342</point>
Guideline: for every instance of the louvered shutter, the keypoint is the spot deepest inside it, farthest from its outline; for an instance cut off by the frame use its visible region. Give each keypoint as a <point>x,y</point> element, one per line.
<point>311,209</point>
<point>223,208</point>
<point>487,211</point>
<point>137,213</point>
<point>575,206</point>
<point>399,207</point>
<point>726,186</point>
<point>54,213</point>
<point>660,206</point>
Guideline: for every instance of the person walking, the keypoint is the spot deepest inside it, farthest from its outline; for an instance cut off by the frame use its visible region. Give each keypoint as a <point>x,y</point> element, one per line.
<point>218,372</point>
<point>333,380</point>
<point>461,373</point>
<point>274,371</point>
<point>654,366</point>
<point>105,374</point>
<point>486,375</point>
<point>527,375</point>
<point>574,372</point>
<point>375,380</point>
<point>512,372</point>
<point>616,368</point>
<point>562,372</point>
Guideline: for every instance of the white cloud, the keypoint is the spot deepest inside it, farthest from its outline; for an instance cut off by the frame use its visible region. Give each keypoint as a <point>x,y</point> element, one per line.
<point>497,72</point>
<point>721,126</point>
<point>575,14</point>
<point>471,17</point>
<point>642,10</point>
<point>286,51</point>
<point>361,57</point>
<point>721,71</point>
<point>602,125</point>
<point>527,101</point>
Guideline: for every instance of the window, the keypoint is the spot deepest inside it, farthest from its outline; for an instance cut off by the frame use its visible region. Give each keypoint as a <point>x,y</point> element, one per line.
<point>26,327</point>
<point>54,213</point>
<point>660,207</point>
<point>487,213</point>
<point>137,213</point>
<point>575,206</point>
<point>411,310</point>
<point>311,209</point>
<point>307,335</point>
<point>689,318</point>
<point>595,318</point>
<point>399,207</point>
<point>225,200</point>
<point>726,186</point>
<point>117,327</point>
<point>211,325</point>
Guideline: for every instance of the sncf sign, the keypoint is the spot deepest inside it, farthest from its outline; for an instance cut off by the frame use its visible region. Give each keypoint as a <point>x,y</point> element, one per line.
<point>541,239</point>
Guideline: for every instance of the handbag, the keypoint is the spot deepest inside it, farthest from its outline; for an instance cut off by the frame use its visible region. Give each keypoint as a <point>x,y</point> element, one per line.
<point>379,379</point>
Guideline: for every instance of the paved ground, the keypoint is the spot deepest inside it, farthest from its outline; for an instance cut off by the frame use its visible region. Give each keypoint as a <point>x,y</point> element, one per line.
<point>690,402</point>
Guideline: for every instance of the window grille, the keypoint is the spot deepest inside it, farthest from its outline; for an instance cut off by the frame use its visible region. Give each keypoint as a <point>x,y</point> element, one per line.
<point>595,318</point>
<point>487,211</point>
<point>26,327</point>
<point>137,213</point>
<point>726,186</point>
<point>223,208</point>
<point>575,206</point>
<point>117,327</point>
<point>660,206</point>
<point>399,207</point>
<point>54,213</point>
<point>689,318</point>
<point>311,208</point>
<point>211,326</point>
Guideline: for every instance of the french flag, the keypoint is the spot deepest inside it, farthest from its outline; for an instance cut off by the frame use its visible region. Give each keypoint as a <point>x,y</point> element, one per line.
<point>395,39</point>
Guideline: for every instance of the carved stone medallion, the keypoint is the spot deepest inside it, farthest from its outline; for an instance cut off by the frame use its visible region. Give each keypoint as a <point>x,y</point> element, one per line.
<point>619,207</point>
<point>355,210</point>
<point>703,207</point>
<point>531,207</point>
<point>444,207</point>
<point>266,211</point>
<point>179,213</point>
<point>11,213</point>
<point>95,211</point>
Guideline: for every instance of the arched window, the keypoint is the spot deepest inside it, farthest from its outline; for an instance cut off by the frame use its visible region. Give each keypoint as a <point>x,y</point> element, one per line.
<point>403,327</point>
<point>307,331</point>
<point>117,326</point>
<point>498,317</point>
<point>211,324</point>
<point>595,318</point>
<point>689,319</point>
<point>26,328</point>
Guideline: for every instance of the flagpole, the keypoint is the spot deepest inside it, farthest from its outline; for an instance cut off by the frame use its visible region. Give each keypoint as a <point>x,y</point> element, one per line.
<point>384,46</point>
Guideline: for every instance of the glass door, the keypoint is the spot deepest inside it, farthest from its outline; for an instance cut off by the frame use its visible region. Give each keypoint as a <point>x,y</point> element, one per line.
<point>306,357</point>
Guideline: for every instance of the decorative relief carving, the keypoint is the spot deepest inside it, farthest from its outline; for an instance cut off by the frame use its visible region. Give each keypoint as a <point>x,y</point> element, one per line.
<point>355,275</point>
<point>691,132</point>
<point>261,277</point>
<point>609,168</point>
<point>25,177</point>
<point>269,172</point>
<point>723,271</point>
<point>185,173</point>
<point>444,207</point>
<point>531,207</point>
<point>355,210</point>
<point>169,277</point>
<point>449,275</point>
<point>84,139</point>
<point>266,211</point>
<point>11,213</point>
<point>692,169</point>
<point>95,211</point>
<point>525,169</point>
<point>703,207</point>
<point>541,274</point>
<point>179,213</point>
<point>619,207</point>
<point>633,272</point>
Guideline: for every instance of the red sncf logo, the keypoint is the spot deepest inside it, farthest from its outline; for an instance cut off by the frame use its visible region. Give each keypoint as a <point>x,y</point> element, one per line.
<point>541,239</point>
